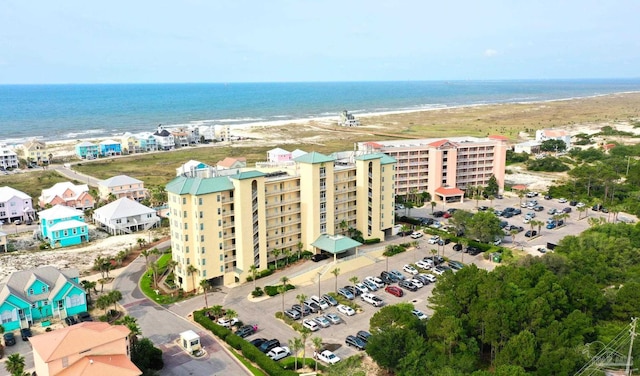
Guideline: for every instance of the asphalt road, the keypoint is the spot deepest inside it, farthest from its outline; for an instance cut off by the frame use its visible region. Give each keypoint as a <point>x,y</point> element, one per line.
<point>163,328</point>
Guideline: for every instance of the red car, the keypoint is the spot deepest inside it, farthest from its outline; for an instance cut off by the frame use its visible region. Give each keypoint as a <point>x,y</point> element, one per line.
<point>446,215</point>
<point>394,290</point>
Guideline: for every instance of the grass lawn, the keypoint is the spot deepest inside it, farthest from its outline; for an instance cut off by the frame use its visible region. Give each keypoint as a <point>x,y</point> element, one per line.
<point>146,283</point>
<point>33,182</point>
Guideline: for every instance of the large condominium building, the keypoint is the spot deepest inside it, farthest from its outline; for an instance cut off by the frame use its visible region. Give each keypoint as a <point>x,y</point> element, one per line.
<point>444,167</point>
<point>222,225</point>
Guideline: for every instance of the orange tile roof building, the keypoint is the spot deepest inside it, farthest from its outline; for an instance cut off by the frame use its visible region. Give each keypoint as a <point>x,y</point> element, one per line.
<point>438,165</point>
<point>88,348</point>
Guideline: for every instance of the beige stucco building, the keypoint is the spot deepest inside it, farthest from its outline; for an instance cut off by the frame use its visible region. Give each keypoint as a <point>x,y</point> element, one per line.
<point>444,167</point>
<point>122,186</point>
<point>222,225</point>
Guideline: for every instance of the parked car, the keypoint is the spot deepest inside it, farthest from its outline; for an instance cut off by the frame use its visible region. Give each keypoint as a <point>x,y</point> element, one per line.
<point>433,240</point>
<point>483,208</point>
<point>370,285</point>
<point>444,241</point>
<point>438,270</point>
<point>311,325</point>
<point>531,233</point>
<point>227,322</point>
<point>552,211</point>
<point>419,314</point>
<point>9,339</point>
<point>573,203</point>
<point>397,274</point>
<point>269,345</point>
<point>313,306</point>
<point>394,290</point>
<point>70,320</point>
<point>258,342</point>
<point>430,277</point>
<point>417,282</point>
<point>353,290</point>
<point>333,318</point>
<point>538,208</point>
<point>438,213</point>
<point>302,309</point>
<point>346,310</point>
<point>473,251</point>
<point>372,299</point>
<point>330,299</point>
<point>319,257</point>
<point>319,301</point>
<point>416,235</point>
<point>322,321</point>
<point>387,278</point>
<point>328,357</point>
<point>408,285</point>
<point>567,209</point>
<point>363,335</point>
<point>562,200</point>
<point>378,282</point>
<point>84,316</point>
<point>278,353</point>
<point>455,265</point>
<point>246,330</point>
<point>362,288</point>
<point>410,269</point>
<point>293,314</point>
<point>355,342</point>
<point>421,277</point>
<point>346,293</point>
<point>423,264</point>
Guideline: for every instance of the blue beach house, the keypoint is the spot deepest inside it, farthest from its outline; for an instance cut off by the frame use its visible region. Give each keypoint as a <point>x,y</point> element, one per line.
<point>87,150</point>
<point>110,148</point>
<point>63,226</point>
<point>40,294</point>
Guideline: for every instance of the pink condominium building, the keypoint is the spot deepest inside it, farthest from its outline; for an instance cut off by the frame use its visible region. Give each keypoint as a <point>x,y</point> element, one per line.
<point>444,167</point>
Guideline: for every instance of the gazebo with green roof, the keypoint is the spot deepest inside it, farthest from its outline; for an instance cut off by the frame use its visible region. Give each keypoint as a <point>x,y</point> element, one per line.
<point>335,244</point>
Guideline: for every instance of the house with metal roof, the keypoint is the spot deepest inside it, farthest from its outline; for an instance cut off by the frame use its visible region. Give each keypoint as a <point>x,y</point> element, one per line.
<point>122,186</point>
<point>164,139</point>
<point>40,294</point>
<point>87,150</point>
<point>125,216</point>
<point>15,205</point>
<point>67,194</point>
<point>62,226</point>
<point>110,148</point>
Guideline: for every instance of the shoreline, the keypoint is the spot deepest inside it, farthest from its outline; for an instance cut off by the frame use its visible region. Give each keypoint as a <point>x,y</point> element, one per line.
<point>242,127</point>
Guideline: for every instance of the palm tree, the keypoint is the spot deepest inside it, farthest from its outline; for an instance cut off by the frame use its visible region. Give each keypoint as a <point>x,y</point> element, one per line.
<point>336,273</point>
<point>405,228</point>
<point>354,280</point>
<point>253,269</point>
<point>114,297</point>
<point>287,254</point>
<point>433,206</point>
<point>300,245</point>
<point>343,226</point>
<point>205,286</point>
<point>491,198</point>
<point>513,233</point>
<point>191,270</point>
<point>275,252</point>
<point>142,242</point>
<point>296,345</point>
<point>103,302</point>
<point>15,364</point>
<point>132,324</point>
<point>146,253</point>
<point>230,314</point>
<point>284,280</point>
<point>520,195</point>
<point>216,311</point>
<point>539,223</point>
<point>153,268</point>
<point>301,298</point>
<point>317,346</point>
<point>305,335</point>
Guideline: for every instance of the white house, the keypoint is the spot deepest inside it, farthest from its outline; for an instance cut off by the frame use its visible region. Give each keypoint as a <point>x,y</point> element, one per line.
<point>194,169</point>
<point>125,216</point>
<point>278,155</point>
<point>554,134</point>
<point>164,139</point>
<point>8,158</point>
<point>529,147</point>
<point>15,205</point>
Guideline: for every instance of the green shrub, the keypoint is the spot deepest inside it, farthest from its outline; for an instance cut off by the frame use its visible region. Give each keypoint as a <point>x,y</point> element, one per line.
<point>391,250</point>
<point>306,255</point>
<point>235,341</point>
<point>261,274</point>
<point>372,241</point>
<point>273,290</point>
<point>257,292</point>
<point>290,363</point>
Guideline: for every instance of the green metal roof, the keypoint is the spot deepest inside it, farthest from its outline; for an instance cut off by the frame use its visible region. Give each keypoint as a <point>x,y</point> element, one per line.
<point>384,159</point>
<point>335,243</point>
<point>313,158</point>
<point>199,186</point>
<point>248,175</point>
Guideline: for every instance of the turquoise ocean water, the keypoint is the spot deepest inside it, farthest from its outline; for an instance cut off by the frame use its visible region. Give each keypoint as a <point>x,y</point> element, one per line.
<point>63,112</point>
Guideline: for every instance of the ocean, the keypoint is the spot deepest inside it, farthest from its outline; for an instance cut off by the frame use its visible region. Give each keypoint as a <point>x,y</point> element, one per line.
<point>70,112</point>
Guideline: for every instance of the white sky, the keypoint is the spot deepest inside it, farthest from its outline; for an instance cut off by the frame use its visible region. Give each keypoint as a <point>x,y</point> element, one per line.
<point>116,41</point>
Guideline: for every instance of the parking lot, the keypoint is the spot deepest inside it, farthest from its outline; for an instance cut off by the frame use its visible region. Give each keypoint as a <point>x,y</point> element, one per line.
<point>372,263</point>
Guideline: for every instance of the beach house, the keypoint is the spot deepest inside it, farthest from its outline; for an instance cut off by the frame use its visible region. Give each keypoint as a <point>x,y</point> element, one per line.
<point>15,205</point>
<point>40,294</point>
<point>125,216</point>
<point>8,158</point>
<point>181,138</point>
<point>84,349</point>
<point>164,139</point>
<point>194,169</point>
<point>62,226</point>
<point>35,151</point>
<point>146,142</point>
<point>554,134</point>
<point>278,155</point>
<point>109,148</point>
<point>67,194</point>
<point>122,186</point>
<point>87,150</point>
<point>230,163</point>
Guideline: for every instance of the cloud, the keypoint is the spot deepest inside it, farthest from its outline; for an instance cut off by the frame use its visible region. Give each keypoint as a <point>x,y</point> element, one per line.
<point>490,52</point>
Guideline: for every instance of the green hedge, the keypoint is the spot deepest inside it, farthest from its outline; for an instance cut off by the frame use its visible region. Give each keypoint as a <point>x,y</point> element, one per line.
<point>372,241</point>
<point>261,274</point>
<point>249,351</point>
<point>290,363</point>
<point>391,250</point>
<point>273,290</point>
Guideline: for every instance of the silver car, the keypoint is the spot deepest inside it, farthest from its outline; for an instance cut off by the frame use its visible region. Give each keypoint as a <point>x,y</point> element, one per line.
<point>333,318</point>
<point>322,321</point>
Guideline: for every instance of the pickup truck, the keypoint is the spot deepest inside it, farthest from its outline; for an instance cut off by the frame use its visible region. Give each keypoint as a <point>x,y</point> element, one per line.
<point>372,299</point>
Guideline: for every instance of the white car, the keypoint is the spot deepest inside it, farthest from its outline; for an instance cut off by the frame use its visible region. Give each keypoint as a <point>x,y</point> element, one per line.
<point>416,235</point>
<point>346,310</point>
<point>526,220</point>
<point>362,288</point>
<point>410,269</point>
<point>311,325</point>
<point>430,277</point>
<point>580,205</point>
<point>328,357</point>
<point>438,271</point>
<point>278,353</point>
<point>419,314</point>
<point>562,200</point>
<point>227,323</point>
<point>423,265</point>
<point>433,240</point>
<point>321,302</point>
<point>417,283</point>
<point>377,281</point>
<point>372,299</point>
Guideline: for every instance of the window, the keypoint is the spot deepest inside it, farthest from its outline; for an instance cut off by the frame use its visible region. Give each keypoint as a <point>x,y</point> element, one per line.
<point>44,288</point>
<point>186,226</point>
<point>201,226</point>
<point>200,201</point>
<point>184,201</point>
<point>30,291</point>
<point>204,261</point>
<point>65,362</point>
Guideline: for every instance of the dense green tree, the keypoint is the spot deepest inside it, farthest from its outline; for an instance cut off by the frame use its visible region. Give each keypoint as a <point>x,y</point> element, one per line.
<point>626,301</point>
<point>483,226</point>
<point>388,347</point>
<point>146,356</point>
<point>547,164</point>
<point>520,350</point>
<point>396,316</point>
<point>553,145</point>
<point>492,188</point>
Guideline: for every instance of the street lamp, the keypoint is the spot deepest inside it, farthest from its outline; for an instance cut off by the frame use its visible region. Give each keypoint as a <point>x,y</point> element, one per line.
<point>319,274</point>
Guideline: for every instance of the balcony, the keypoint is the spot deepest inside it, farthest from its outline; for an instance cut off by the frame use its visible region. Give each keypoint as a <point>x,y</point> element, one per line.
<point>228,224</point>
<point>280,203</point>
<point>281,191</point>
<point>227,213</point>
